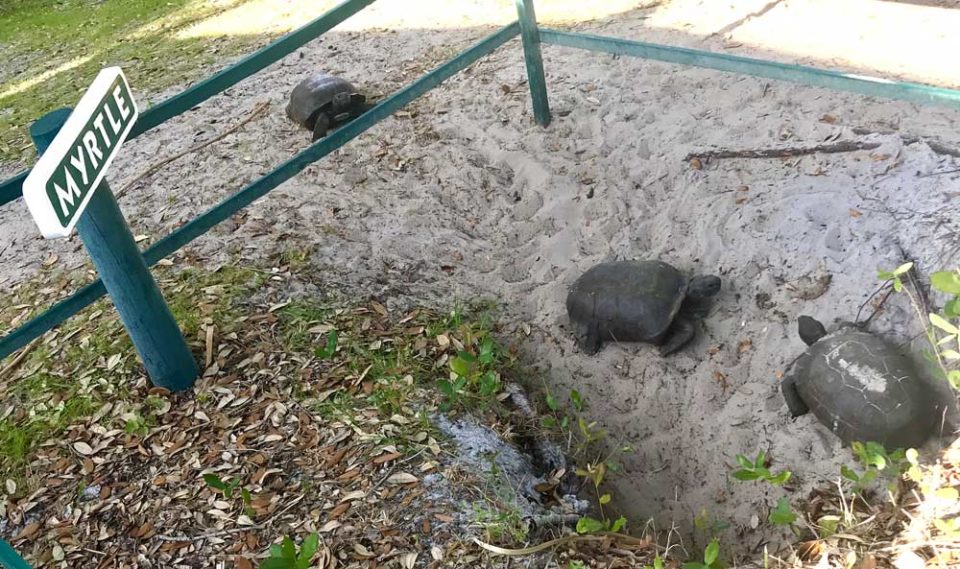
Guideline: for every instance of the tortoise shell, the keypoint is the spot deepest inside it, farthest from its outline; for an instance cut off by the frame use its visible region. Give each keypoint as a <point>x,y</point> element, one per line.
<point>315,94</point>
<point>630,301</point>
<point>860,388</point>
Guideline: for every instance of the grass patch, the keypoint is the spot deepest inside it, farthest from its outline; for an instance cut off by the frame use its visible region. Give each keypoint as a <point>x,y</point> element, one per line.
<point>54,48</point>
<point>72,371</point>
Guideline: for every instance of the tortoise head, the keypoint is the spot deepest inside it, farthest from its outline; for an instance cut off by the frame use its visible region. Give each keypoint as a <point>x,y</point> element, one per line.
<point>703,287</point>
<point>810,330</point>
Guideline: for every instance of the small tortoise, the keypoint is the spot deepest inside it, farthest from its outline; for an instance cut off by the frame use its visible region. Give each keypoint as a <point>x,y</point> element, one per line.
<point>859,387</point>
<point>638,301</point>
<point>322,101</point>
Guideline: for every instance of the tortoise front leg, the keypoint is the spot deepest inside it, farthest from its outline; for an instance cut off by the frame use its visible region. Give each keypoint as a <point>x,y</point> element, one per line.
<point>321,127</point>
<point>679,335</point>
<point>588,337</point>
<point>795,403</point>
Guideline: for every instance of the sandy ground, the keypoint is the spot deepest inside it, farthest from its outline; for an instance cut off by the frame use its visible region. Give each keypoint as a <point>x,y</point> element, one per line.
<point>462,196</point>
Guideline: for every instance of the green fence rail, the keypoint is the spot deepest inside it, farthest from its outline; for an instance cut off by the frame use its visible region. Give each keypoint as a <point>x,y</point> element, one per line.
<point>871,86</point>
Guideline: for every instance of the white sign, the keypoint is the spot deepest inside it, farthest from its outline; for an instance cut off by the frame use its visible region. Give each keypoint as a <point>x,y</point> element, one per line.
<point>66,175</point>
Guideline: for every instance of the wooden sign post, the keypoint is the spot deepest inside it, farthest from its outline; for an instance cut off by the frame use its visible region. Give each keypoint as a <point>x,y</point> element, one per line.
<point>66,189</point>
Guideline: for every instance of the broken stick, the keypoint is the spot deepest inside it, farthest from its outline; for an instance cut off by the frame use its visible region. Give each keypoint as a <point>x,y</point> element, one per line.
<point>832,148</point>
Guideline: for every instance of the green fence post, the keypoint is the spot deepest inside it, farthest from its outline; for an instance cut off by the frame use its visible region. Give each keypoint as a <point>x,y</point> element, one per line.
<point>9,558</point>
<point>530,36</point>
<point>125,275</point>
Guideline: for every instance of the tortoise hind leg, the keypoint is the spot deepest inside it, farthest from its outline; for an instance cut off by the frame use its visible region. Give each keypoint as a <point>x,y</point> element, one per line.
<point>790,394</point>
<point>679,335</point>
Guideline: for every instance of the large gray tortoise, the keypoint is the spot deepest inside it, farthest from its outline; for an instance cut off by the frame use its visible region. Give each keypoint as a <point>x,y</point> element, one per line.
<point>323,101</point>
<point>638,301</point>
<point>859,387</point>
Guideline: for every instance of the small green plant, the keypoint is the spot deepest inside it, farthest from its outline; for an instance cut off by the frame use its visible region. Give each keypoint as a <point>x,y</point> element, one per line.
<point>894,275</point>
<point>757,469</point>
<point>228,488</point>
<point>220,485</point>
<point>942,330</point>
<point>501,523</point>
<point>473,372</point>
<point>285,555</point>
<point>711,558</point>
<point>136,424</point>
<point>596,472</point>
<point>875,460</point>
<point>329,349</point>
<point>576,565</point>
<point>783,514</point>
<point>949,527</point>
<point>657,563</point>
<point>710,526</point>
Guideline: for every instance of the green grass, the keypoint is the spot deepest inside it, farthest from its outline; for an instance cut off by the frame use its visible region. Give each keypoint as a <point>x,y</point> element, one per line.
<point>52,49</point>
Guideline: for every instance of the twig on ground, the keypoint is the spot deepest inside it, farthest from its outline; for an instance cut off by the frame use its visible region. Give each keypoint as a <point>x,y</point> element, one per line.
<point>209,534</point>
<point>935,145</point>
<point>876,308</point>
<point>256,112</point>
<point>554,520</point>
<point>940,173</point>
<point>601,536</point>
<point>19,359</point>
<point>832,148</point>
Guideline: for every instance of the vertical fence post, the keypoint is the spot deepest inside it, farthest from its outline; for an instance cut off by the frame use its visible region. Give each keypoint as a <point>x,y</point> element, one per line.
<point>9,558</point>
<point>125,275</point>
<point>530,36</point>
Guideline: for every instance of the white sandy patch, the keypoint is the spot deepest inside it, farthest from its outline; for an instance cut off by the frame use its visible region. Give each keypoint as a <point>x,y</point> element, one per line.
<point>871,379</point>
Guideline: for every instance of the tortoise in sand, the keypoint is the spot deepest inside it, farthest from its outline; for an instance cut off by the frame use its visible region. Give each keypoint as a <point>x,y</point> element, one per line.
<point>322,101</point>
<point>859,387</point>
<point>638,301</point>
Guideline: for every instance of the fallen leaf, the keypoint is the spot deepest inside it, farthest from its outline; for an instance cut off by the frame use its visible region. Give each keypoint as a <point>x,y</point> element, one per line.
<point>829,119</point>
<point>242,563</point>
<point>330,526</point>
<point>721,378</point>
<point>339,510</point>
<point>355,495</point>
<point>744,345</point>
<point>28,532</point>
<point>51,259</point>
<point>380,459</point>
<point>696,164</point>
<point>402,478</point>
<point>855,213</point>
<point>83,448</point>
